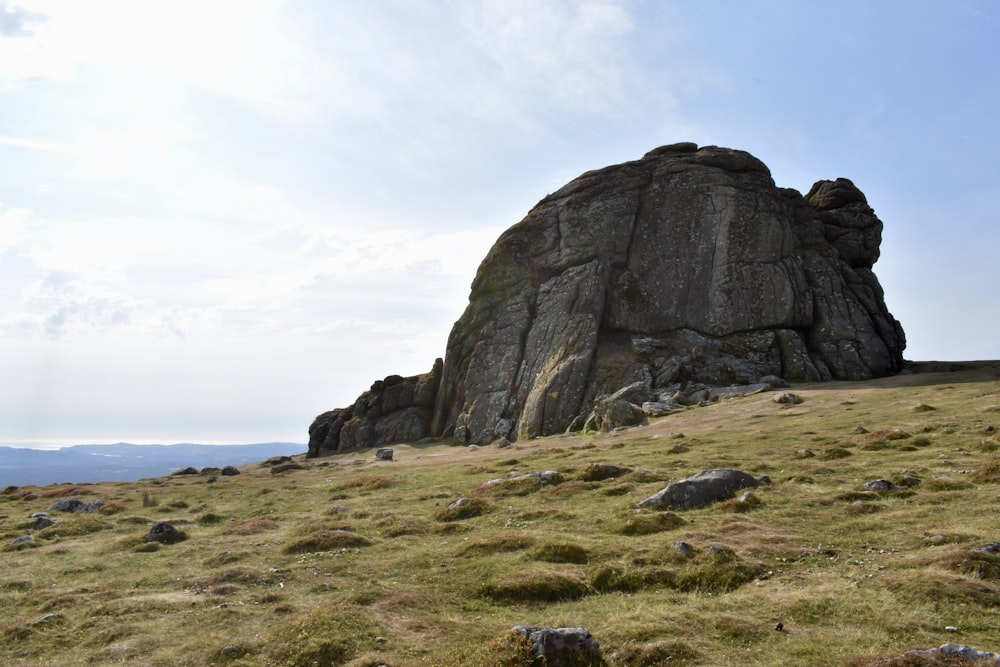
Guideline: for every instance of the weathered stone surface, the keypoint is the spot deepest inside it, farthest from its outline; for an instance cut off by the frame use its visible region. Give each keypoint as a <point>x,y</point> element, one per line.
<point>396,409</point>
<point>76,506</point>
<point>164,532</point>
<point>557,647</point>
<point>688,267</point>
<point>705,488</point>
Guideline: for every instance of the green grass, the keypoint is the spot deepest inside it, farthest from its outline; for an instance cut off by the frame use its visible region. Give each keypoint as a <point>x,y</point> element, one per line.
<point>351,562</point>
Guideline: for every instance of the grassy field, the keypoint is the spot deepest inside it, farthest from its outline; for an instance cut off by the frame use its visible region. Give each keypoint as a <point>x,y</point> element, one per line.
<point>349,561</point>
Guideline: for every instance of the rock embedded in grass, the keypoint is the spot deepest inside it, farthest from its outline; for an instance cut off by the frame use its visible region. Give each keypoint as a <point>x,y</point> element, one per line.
<point>882,485</point>
<point>705,488</point>
<point>75,506</point>
<point>563,647</point>
<point>165,532</point>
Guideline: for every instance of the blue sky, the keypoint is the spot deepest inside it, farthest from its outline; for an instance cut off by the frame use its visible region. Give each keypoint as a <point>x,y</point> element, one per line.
<point>218,219</point>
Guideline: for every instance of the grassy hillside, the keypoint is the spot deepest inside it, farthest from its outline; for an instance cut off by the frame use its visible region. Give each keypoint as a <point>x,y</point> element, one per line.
<point>357,562</point>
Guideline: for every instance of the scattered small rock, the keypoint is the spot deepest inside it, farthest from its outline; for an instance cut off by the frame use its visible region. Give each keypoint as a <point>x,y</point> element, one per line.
<point>882,485</point>
<point>337,509</point>
<point>860,430</point>
<point>75,506</point>
<point>503,443</point>
<point>683,548</point>
<point>966,652</point>
<point>384,454</point>
<point>230,471</point>
<point>190,470</point>
<point>562,647</point>
<point>164,532</point>
<point>42,522</point>
<point>787,398</point>
<point>461,502</point>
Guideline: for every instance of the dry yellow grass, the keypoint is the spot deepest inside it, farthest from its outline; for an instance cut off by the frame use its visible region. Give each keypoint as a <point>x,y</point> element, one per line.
<point>356,562</point>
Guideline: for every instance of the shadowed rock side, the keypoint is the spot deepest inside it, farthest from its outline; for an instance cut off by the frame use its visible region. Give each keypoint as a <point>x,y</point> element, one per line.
<point>395,409</point>
<point>687,266</point>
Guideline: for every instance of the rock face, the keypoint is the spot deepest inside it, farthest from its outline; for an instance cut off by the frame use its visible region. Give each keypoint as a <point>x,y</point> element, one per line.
<point>687,266</point>
<point>395,409</point>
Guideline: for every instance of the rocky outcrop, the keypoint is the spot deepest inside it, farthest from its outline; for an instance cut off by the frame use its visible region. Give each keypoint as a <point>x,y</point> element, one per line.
<point>396,409</point>
<point>687,267</point>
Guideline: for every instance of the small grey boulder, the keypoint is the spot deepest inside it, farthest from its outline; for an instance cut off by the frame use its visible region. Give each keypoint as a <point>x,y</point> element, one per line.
<point>705,488</point>
<point>562,647</point>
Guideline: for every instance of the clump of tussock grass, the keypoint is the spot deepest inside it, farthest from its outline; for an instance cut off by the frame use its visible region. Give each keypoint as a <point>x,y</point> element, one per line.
<point>252,526</point>
<point>517,486</point>
<point>910,660</point>
<point>974,563</point>
<point>886,435</point>
<point>457,510</point>
<point>366,483</point>
<point>657,653</point>
<point>863,507</point>
<point>717,570</point>
<point>610,578</point>
<point>987,473</point>
<point>919,588</point>
<point>948,484</point>
<point>395,525</point>
<point>538,584</point>
<point>570,488</point>
<point>743,503</point>
<point>324,536</point>
<point>499,543</point>
<point>326,635</point>
<point>510,650</point>
<point>76,525</point>
<point>649,523</point>
<point>835,453</point>
<point>596,472</point>
<point>224,558</point>
<point>559,552</point>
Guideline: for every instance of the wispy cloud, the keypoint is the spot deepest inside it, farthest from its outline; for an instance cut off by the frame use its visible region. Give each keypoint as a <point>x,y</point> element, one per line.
<point>17,22</point>
<point>39,144</point>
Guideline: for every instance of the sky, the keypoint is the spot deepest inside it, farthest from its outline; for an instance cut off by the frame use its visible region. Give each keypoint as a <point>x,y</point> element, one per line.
<point>219,218</point>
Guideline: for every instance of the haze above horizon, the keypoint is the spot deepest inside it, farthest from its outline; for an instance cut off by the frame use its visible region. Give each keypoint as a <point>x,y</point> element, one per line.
<point>218,220</point>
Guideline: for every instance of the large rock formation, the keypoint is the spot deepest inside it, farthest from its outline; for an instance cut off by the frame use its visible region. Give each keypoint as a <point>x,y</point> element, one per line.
<point>687,266</point>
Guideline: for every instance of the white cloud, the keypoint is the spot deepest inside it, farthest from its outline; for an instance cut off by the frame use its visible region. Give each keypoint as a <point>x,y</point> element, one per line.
<point>16,21</point>
<point>569,53</point>
<point>12,224</point>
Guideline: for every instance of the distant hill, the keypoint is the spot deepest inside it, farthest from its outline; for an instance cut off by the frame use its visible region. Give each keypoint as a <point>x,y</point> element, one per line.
<point>126,462</point>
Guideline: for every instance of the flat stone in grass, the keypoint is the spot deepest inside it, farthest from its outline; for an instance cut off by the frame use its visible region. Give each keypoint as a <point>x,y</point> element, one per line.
<point>76,506</point>
<point>705,488</point>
